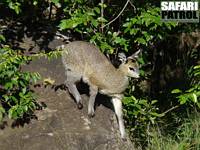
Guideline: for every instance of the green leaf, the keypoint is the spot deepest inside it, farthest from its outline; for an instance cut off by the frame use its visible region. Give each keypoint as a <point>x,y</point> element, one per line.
<point>15,6</point>
<point>35,3</point>
<point>24,90</point>
<point>8,85</point>
<point>147,36</point>
<point>12,113</point>
<point>68,24</point>
<point>90,13</point>
<point>156,114</point>
<point>97,10</point>
<point>2,112</point>
<point>106,47</point>
<point>148,21</point>
<point>55,1</point>
<point>103,5</point>
<point>153,102</point>
<point>194,97</point>
<point>198,104</point>
<point>134,20</point>
<point>6,97</point>
<point>141,41</point>
<point>101,19</point>
<point>182,99</point>
<point>175,91</point>
<point>160,36</point>
<point>196,74</point>
<point>2,38</point>
<point>197,67</point>
<point>127,24</point>
<point>94,23</point>
<point>127,100</point>
<point>133,31</point>
<point>25,108</point>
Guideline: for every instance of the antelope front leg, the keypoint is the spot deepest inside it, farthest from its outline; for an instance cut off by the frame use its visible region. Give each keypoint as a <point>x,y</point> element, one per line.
<point>73,90</point>
<point>93,94</point>
<point>117,103</point>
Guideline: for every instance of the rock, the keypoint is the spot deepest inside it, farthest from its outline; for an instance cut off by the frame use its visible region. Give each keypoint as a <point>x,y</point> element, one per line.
<point>61,126</point>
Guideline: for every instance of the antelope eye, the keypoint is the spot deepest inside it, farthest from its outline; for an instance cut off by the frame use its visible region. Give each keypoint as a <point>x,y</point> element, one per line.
<point>133,60</point>
<point>133,69</point>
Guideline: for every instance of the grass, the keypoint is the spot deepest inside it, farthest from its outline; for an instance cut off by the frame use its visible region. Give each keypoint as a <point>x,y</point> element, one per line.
<point>187,136</point>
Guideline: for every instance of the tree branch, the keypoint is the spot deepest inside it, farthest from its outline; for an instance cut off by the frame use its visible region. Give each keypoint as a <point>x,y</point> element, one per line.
<point>102,15</point>
<point>117,15</point>
<point>174,107</point>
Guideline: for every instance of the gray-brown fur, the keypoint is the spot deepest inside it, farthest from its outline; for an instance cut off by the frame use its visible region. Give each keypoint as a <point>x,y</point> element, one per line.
<point>83,60</point>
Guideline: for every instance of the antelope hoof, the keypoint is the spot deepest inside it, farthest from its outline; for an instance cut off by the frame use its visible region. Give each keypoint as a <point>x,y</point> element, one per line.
<point>80,105</point>
<point>91,115</point>
<point>124,139</point>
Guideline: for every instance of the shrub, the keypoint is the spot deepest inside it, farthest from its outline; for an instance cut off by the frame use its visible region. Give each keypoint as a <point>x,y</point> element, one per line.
<point>186,137</point>
<point>15,95</point>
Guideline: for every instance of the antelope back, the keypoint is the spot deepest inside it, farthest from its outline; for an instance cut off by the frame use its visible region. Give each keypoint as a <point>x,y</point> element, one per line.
<point>86,59</point>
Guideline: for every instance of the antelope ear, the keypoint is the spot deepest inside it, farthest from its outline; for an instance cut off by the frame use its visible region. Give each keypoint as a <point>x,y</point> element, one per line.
<point>135,55</point>
<point>122,57</point>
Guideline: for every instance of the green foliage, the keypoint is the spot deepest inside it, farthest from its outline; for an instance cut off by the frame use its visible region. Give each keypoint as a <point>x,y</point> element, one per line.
<point>14,5</point>
<point>140,114</point>
<point>88,21</point>
<point>147,27</point>
<point>82,19</point>
<point>51,55</point>
<point>17,4</point>
<point>186,137</point>
<point>16,97</point>
<point>192,95</point>
<point>138,26</point>
<point>2,38</point>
